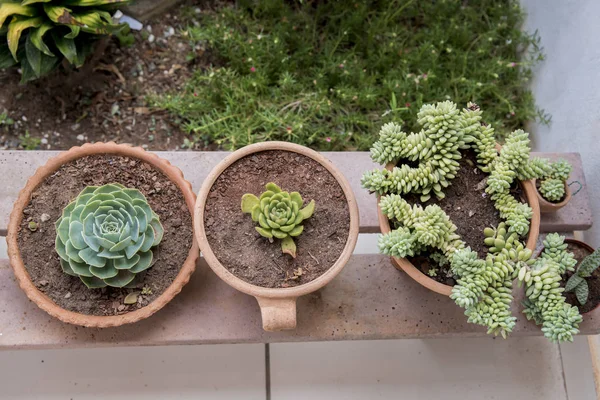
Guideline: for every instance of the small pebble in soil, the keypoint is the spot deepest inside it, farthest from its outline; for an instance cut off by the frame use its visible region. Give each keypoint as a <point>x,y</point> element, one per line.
<point>80,137</point>
<point>44,217</point>
<point>68,295</point>
<point>151,38</point>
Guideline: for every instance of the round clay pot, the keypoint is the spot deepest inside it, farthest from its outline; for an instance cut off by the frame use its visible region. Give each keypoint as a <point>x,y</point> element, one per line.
<point>277,305</point>
<point>53,164</point>
<point>580,244</point>
<point>423,279</point>
<point>548,206</point>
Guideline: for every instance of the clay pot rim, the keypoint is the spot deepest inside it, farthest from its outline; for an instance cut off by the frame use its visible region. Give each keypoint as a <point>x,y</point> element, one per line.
<point>259,291</point>
<point>585,246</point>
<point>548,206</point>
<point>534,230</point>
<point>53,164</point>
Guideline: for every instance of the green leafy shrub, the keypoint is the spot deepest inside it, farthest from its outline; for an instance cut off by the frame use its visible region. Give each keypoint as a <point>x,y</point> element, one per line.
<point>279,214</point>
<point>38,35</point>
<point>326,74</point>
<point>104,236</point>
<point>577,281</point>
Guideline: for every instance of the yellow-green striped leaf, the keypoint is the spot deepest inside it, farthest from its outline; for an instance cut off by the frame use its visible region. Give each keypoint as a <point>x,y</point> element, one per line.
<point>66,47</point>
<point>89,3</point>
<point>8,9</point>
<point>74,32</point>
<point>37,38</point>
<point>27,2</point>
<point>16,27</point>
<point>60,15</point>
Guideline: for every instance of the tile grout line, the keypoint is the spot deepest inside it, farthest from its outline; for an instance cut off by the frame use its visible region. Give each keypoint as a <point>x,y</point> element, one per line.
<point>268,371</point>
<point>562,370</point>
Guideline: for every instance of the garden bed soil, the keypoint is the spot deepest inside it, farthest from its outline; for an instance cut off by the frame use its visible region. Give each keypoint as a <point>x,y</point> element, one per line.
<point>251,257</point>
<point>109,98</point>
<point>42,261</point>
<point>593,281</point>
<point>469,208</point>
<point>537,187</point>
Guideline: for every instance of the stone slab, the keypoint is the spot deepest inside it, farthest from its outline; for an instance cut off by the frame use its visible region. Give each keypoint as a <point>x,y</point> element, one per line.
<point>17,166</point>
<point>370,299</point>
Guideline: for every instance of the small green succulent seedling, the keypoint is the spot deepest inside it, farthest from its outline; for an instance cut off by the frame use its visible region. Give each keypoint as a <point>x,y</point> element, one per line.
<point>279,214</point>
<point>104,236</point>
<point>577,281</point>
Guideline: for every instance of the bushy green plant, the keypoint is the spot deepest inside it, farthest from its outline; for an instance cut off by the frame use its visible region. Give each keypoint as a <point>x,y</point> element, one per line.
<point>326,74</point>
<point>105,235</point>
<point>545,303</point>
<point>38,35</point>
<point>552,176</point>
<point>577,282</point>
<point>279,214</point>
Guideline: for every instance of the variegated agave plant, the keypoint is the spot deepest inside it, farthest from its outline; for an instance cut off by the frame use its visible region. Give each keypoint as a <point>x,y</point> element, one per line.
<point>104,236</point>
<point>39,34</point>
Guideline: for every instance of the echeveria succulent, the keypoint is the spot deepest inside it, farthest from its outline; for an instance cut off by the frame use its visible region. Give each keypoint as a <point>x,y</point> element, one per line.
<point>279,214</point>
<point>104,236</point>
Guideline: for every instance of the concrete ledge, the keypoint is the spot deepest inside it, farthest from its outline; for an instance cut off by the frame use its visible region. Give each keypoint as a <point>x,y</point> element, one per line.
<point>370,299</point>
<point>18,166</point>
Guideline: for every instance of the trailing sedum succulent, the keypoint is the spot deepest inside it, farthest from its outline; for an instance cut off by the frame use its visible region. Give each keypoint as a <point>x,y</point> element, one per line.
<point>545,303</point>
<point>552,176</point>
<point>279,214</point>
<point>427,161</point>
<point>39,34</point>
<point>577,281</point>
<point>104,236</point>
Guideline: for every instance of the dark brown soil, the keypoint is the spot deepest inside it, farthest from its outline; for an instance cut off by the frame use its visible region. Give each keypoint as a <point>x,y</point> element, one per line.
<point>251,257</point>
<point>537,186</point>
<point>108,98</point>
<point>468,207</point>
<point>593,282</point>
<point>42,262</point>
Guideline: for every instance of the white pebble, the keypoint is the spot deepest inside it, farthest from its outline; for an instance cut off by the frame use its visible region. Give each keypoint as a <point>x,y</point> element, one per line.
<point>80,137</point>
<point>151,38</point>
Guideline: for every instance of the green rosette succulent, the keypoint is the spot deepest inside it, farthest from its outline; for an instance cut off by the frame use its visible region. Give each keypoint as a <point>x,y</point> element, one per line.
<point>279,214</point>
<point>552,189</point>
<point>104,236</point>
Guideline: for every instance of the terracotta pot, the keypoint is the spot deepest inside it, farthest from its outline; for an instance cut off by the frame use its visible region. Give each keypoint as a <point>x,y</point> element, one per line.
<point>547,206</point>
<point>277,305</point>
<point>53,164</point>
<point>417,275</point>
<point>580,244</point>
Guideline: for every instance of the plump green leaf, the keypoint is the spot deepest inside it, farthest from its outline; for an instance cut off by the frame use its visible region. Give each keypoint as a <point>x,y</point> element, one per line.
<point>93,282</point>
<point>67,268</point>
<point>297,230</point>
<point>122,279</point>
<point>91,258</point>
<point>264,232</point>
<point>296,198</point>
<point>80,269</point>
<point>278,234</point>
<point>76,235</point>
<point>288,246</point>
<point>105,272</point>
<point>72,251</point>
<point>249,201</point>
<point>145,261</point>
<point>28,2</point>
<point>273,187</point>
<point>308,211</point>
<point>126,263</point>
<point>158,231</point>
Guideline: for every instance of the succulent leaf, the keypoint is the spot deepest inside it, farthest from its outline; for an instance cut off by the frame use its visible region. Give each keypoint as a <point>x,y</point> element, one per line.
<point>104,236</point>
<point>278,214</point>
